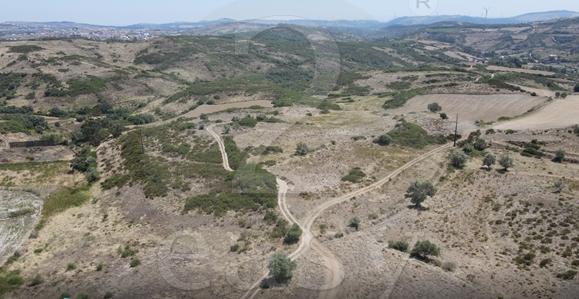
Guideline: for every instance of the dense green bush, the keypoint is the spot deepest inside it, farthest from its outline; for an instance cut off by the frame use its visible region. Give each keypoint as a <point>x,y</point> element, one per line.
<point>434,107</point>
<point>293,235</point>
<point>383,140</point>
<point>281,267</point>
<point>423,250</point>
<point>412,135</point>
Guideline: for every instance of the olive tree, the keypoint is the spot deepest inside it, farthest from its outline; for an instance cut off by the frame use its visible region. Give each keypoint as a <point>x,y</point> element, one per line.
<point>434,107</point>
<point>281,267</point>
<point>418,192</point>
<point>424,249</point>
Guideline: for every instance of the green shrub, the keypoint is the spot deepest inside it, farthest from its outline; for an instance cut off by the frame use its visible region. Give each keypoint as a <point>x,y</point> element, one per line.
<point>506,162</point>
<point>489,160</point>
<point>134,262</point>
<point>235,156</point>
<point>293,235</point>
<point>398,245</point>
<point>412,135</point>
<point>559,156</point>
<point>423,250</point>
<point>248,121</point>
<point>383,140</point>
<point>281,267</point>
<point>434,107</point>
<point>70,266</point>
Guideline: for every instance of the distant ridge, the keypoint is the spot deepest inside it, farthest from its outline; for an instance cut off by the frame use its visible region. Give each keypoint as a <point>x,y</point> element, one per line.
<point>360,24</point>
<point>525,18</point>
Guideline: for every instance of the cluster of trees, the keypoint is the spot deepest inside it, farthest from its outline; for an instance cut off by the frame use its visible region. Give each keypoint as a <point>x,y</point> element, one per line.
<point>422,250</point>
<point>85,162</point>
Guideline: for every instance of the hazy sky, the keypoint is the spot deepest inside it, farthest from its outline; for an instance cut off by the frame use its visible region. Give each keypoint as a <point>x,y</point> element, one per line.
<point>122,12</point>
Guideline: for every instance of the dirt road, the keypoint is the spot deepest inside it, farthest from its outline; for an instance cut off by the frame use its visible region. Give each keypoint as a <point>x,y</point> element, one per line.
<point>308,241</point>
<point>221,147</point>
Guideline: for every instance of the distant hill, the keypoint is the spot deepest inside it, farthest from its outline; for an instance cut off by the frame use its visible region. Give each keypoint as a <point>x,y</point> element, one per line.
<point>525,18</point>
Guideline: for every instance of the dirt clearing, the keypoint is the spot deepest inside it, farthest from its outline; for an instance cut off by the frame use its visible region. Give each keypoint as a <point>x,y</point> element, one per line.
<point>559,114</point>
<point>472,108</point>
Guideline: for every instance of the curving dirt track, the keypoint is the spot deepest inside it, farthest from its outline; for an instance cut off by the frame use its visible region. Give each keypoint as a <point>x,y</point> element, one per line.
<point>308,241</point>
<point>221,147</point>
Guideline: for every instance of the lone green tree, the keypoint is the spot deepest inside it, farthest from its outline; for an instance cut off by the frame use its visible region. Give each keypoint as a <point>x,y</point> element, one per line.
<point>559,156</point>
<point>281,267</point>
<point>423,250</point>
<point>434,107</point>
<point>489,160</point>
<point>418,192</point>
<point>506,162</point>
<point>293,235</point>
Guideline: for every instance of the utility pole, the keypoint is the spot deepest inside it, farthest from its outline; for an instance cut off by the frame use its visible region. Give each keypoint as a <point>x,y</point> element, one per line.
<point>456,130</point>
